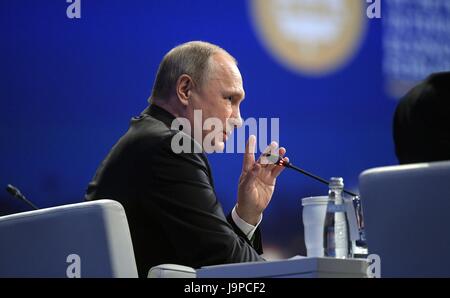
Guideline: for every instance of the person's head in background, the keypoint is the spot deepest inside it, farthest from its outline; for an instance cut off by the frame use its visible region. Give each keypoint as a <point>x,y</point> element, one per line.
<point>421,126</point>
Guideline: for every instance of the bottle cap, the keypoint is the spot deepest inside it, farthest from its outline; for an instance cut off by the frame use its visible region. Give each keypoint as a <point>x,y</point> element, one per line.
<point>336,182</point>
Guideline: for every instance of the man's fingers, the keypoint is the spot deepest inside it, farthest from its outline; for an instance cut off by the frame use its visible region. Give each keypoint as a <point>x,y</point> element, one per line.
<point>249,155</point>
<point>252,174</point>
<point>276,171</point>
<point>269,154</point>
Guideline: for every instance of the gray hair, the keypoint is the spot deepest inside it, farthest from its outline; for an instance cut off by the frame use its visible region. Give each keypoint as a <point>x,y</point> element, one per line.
<point>191,58</point>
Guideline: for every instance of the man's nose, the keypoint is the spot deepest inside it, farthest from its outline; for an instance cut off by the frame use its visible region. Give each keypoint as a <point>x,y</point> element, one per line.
<point>236,120</point>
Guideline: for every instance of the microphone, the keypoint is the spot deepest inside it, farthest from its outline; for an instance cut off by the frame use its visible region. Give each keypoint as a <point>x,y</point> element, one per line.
<point>15,192</point>
<point>279,161</point>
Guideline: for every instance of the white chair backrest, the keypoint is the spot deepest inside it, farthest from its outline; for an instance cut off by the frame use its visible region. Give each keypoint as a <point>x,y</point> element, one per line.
<point>407,218</point>
<point>89,239</point>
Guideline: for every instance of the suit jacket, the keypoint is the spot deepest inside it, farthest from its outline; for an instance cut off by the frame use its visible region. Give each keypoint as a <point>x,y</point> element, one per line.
<point>169,199</point>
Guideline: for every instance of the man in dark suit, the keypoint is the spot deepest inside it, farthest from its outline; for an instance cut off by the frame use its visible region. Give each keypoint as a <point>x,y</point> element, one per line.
<point>169,198</point>
<point>421,126</point>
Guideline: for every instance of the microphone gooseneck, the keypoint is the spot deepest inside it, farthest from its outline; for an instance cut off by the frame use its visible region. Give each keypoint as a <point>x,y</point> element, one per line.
<point>279,161</point>
<point>15,192</point>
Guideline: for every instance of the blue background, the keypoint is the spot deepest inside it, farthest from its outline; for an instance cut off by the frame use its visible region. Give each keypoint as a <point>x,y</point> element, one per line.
<point>69,87</point>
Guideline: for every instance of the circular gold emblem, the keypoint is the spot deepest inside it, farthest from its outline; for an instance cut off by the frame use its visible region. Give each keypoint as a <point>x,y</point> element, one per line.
<point>312,36</point>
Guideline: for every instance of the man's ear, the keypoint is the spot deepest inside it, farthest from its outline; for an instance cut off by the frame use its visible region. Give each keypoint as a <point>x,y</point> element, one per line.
<point>184,87</point>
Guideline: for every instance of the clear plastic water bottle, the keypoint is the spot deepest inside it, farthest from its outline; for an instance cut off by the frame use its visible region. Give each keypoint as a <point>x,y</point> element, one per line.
<point>336,230</point>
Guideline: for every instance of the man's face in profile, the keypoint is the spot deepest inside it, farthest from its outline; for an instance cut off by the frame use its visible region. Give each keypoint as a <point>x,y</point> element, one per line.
<point>219,97</point>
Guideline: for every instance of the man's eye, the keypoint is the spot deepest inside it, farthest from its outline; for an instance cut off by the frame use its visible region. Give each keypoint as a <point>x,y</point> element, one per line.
<point>230,98</point>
